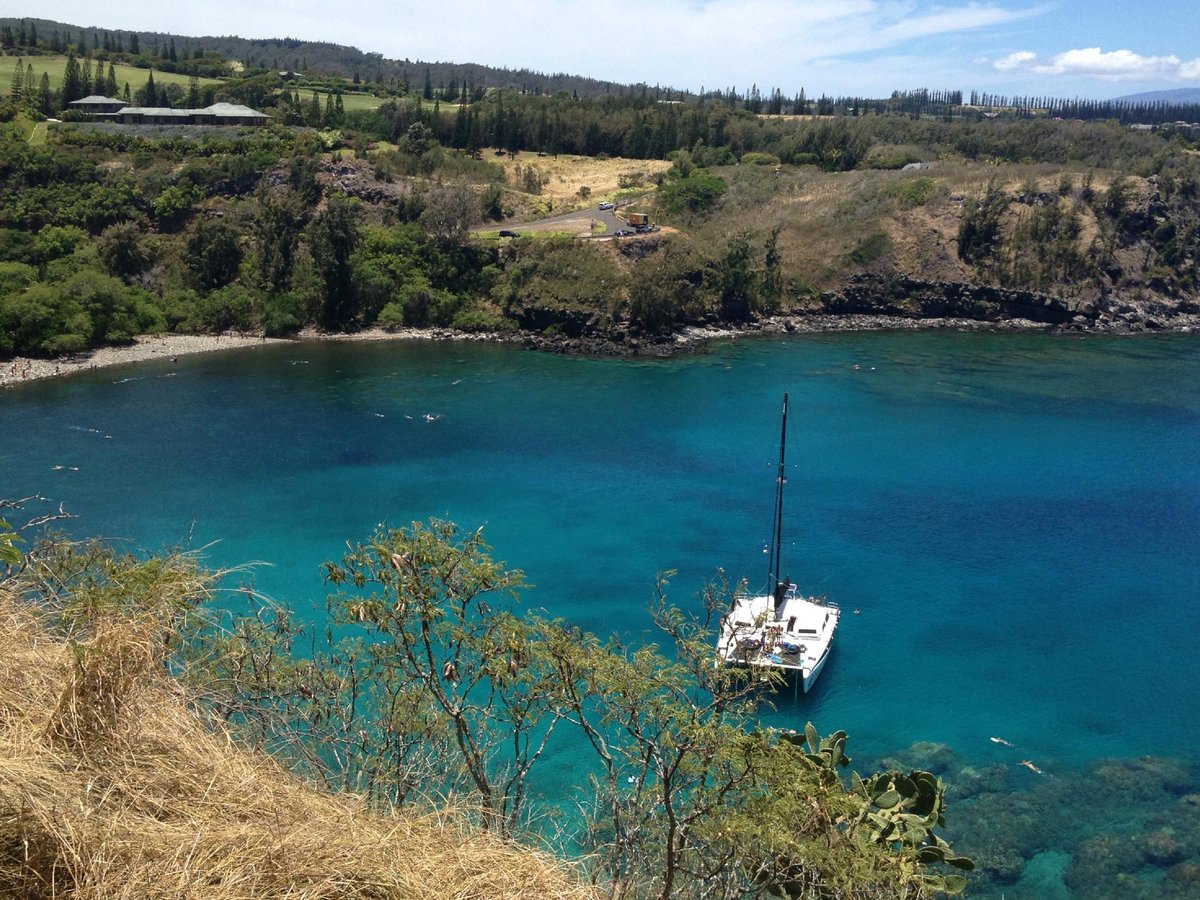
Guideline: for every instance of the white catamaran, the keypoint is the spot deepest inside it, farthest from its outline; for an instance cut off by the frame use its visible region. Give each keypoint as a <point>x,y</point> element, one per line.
<point>781,630</point>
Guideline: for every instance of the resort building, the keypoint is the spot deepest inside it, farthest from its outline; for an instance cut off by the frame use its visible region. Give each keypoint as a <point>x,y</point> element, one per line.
<point>107,109</point>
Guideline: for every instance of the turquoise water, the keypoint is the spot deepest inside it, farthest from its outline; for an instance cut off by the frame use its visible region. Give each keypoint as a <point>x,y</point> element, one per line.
<point>1016,519</point>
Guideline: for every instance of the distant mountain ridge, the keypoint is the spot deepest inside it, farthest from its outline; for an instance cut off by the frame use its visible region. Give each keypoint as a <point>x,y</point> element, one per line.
<point>1179,95</point>
<point>341,60</point>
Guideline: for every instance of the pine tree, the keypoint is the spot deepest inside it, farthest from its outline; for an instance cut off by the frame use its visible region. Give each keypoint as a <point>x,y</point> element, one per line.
<point>86,78</point>
<point>110,85</point>
<point>313,116</point>
<point>151,91</point>
<point>45,96</point>
<point>72,80</point>
<point>18,80</point>
<point>193,95</point>
<point>327,120</point>
<point>428,93</point>
<point>133,43</point>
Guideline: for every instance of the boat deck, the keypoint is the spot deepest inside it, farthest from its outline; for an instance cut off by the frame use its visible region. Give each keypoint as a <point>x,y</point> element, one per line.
<point>797,637</point>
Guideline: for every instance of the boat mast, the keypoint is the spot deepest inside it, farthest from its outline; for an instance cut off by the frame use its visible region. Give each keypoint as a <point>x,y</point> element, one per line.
<point>773,577</point>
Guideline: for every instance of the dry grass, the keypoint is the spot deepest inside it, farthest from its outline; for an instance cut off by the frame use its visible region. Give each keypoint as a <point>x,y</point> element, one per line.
<point>567,174</point>
<point>823,216</point>
<point>111,788</point>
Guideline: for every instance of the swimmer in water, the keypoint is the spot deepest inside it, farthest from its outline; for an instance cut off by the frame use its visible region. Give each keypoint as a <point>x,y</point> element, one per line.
<point>1031,767</point>
<point>997,740</point>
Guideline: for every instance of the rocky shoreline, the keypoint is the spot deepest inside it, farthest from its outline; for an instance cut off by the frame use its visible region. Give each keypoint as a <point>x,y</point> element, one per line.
<point>616,342</point>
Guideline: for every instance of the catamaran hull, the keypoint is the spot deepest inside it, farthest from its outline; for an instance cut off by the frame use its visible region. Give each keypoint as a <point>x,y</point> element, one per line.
<point>810,678</point>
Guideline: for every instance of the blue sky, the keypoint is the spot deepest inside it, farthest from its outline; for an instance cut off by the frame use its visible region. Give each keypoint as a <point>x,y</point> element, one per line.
<point>1085,48</point>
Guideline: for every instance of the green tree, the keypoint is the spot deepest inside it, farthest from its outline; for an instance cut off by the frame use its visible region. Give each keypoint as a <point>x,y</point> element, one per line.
<point>737,280</point>
<point>213,253</point>
<point>72,87</point>
<point>276,229</point>
<point>150,92</point>
<point>123,250</point>
<point>18,80</point>
<point>696,193</point>
<point>45,97</point>
<point>979,230</point>
<point>333,236</point>
<point>449,211</point>
<point>770,283</point>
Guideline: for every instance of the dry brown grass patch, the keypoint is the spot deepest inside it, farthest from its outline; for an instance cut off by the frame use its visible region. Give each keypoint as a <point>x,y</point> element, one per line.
<point>111,788</point>
<point>567,174</point>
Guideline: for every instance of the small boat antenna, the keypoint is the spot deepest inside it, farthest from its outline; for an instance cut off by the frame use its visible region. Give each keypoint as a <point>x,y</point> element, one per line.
<point>774,576</point>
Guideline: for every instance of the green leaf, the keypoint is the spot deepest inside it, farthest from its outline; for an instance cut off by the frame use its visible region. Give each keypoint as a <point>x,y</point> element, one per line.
<point>888,799</point>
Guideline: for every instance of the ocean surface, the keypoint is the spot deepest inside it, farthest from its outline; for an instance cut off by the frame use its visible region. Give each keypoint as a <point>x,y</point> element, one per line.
<point>1011,523</point>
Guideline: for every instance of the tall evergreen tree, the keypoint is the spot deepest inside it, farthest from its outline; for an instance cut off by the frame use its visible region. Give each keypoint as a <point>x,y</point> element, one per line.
<point>72,88</point>
<point>86,77</point>
<point>133,43</point>
<point>45,98</point>
<point>110,85</point>
<point>151,92</point>
<point>18,80</point>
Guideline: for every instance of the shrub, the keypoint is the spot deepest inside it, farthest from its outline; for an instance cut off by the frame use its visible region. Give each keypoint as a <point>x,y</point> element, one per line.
<point>910,192</point>
<point>479,318</point>
<point>870,248</point>
<point>756,158</point>
<point>696,193</point>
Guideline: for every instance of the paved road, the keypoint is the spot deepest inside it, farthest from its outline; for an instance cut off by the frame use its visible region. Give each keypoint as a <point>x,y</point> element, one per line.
<point>579,223</point>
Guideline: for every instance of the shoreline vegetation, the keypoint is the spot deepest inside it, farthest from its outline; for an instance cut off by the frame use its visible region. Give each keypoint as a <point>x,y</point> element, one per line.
<point>146,348</point>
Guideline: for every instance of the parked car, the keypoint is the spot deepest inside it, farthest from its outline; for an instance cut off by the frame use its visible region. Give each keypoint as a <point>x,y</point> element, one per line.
<point>504,232</point>
<point>622,232</point>
<point>608,204</point>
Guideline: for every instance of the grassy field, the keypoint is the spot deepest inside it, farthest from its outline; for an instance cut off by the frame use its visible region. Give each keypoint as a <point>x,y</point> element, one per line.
<point>55,65</point>
<point>350,102</point>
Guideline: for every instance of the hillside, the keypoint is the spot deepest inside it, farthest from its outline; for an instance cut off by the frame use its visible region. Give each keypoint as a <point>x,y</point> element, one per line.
<point>1179,95</point>
<point>110,787</point>
<point>320,57</point>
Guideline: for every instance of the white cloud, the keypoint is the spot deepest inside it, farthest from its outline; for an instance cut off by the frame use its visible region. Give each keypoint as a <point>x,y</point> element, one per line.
<point>1113,65</point>
<point>1016,60</point>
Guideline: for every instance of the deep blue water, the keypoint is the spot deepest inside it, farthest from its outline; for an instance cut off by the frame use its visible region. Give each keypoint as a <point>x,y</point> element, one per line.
<point>1016,517</point>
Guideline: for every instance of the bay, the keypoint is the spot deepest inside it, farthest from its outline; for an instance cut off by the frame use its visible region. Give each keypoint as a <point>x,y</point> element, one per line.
<point>1011,522</point>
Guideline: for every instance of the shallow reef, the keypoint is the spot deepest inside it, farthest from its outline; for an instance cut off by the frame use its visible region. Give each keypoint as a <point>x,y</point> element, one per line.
<point>1120,828</point>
